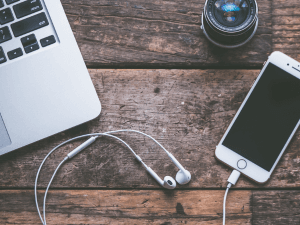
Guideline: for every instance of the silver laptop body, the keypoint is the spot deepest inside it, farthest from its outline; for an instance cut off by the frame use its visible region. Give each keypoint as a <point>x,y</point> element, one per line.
<point>45,87</point>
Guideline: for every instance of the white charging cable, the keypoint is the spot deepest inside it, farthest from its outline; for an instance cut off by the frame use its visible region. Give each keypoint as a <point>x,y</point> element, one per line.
<point>93,136</point>
<point>233,178</point>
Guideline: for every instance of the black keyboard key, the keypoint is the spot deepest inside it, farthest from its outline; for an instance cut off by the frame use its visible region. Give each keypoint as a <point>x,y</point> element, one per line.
<point>48,41</point>
<point>5,34</point>
<point>6,16</point>
<point>2,56</point>
<point>15,53</point>
<point>28,40</point>
<point>31,48</point>
<point>27,7</point>
<point>1,4</point>
<point>11,1</point>
<point>30,43</point>
<point>30,24</point>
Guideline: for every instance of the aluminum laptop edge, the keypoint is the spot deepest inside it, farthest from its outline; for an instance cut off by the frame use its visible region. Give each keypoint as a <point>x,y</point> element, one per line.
<point>47,90</point>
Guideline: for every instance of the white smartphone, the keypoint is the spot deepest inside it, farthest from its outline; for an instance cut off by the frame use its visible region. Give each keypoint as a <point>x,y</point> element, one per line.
<point>266,121</point>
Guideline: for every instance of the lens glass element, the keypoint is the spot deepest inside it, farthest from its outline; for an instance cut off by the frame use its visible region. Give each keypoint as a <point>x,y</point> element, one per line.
<point>231,12</point>
<point>230,23</point>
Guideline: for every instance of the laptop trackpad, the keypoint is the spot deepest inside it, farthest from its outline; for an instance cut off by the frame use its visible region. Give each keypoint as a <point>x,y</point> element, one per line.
<point>4,137</point>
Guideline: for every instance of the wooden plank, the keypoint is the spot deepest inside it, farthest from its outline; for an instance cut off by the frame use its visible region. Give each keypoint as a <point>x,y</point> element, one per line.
<point>152,207</point>
<point>126,207</point>
<point>158,34</point>
<point>186,110</point>
<point>286,27</point>
<point>276,207</point>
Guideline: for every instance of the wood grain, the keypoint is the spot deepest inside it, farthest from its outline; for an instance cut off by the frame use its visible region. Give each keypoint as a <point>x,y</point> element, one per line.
<point>152,207</point>
<point>127,207</point>
<point>158,34</point>
<point>276,207</point>
<point>286,27</point>
<point>186,110</point>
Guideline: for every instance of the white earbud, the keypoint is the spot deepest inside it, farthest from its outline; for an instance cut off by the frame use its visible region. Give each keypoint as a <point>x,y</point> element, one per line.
<point>168,181</point>
<point>183,176</point>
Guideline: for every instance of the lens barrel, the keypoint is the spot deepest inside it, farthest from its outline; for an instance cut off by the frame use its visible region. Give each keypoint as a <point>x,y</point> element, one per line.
<point>229,23</point>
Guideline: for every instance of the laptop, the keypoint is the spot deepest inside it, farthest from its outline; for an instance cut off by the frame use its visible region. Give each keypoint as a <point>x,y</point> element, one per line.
<point>45,87</point>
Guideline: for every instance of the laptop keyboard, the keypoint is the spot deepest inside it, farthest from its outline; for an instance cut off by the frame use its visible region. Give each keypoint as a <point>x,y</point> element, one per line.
<point>21,23</point>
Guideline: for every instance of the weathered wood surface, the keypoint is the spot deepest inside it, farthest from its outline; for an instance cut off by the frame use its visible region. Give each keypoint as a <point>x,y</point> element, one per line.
<point>286,27</point>
<point>186,110</point>
<point>276,207</point>
<point>167,34</point>
<point>127,207</point>
<point>152,207</point>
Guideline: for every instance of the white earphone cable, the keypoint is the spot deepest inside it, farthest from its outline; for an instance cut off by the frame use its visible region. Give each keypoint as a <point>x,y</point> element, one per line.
<point>46,192</point>
<point>139,132</point>
<point>65,159</point>
<point>39,170</point>
<point>224,202</point>
<point>233,178</point>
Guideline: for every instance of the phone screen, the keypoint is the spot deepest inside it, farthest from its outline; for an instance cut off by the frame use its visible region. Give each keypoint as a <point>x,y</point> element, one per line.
<point>267,119</point>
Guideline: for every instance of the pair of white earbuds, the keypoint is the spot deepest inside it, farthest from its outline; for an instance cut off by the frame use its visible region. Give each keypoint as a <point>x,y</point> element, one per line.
<point>182,177</point>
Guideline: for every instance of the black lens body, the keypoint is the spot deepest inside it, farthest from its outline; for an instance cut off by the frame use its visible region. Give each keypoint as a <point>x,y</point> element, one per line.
<point>230,23</point>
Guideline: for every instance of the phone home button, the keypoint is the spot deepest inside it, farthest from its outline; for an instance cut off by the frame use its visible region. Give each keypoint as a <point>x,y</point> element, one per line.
<point>241,164</point>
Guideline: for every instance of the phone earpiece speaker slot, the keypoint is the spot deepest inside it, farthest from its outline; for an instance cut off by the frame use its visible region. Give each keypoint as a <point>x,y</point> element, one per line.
<point>296,69</point>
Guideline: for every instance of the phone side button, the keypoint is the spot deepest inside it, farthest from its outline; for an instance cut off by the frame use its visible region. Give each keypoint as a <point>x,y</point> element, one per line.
<point>241,164</point>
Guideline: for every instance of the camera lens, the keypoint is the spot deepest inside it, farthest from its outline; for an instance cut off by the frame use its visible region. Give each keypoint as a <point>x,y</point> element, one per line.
<point>229,23</point>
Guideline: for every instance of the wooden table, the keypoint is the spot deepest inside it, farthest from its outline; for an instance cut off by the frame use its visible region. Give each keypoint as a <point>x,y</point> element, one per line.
<point>154,71</point>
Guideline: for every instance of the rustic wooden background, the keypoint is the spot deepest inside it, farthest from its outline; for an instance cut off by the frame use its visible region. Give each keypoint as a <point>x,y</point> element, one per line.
<point>154,71</point>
